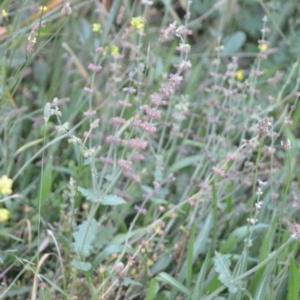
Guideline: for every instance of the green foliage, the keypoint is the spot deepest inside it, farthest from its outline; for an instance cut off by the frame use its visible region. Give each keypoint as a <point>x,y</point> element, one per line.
<point>84,237</point>
<point>198,289</point>
<point>222,267</point>
<point>263,285</point>
<point>294,277</point>
<point>107,200</point>
<point>112,200</point>
<point>88,194</point>
<point>81,265</point>
<point>153,289</point>
<point>234,43</point>
<point>47,181</point>
<point>166,278</point>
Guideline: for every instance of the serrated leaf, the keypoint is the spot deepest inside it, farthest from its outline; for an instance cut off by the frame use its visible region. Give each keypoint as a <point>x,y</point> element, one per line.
<point>81,265</point>
<point>88,194</point>
<point>104,234</point>
<point>222,265</point>
<point>84,237</point>
<point>112,200</point>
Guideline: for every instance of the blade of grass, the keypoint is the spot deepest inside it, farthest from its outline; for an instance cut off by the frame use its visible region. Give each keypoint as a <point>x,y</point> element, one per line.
<point>198,289</point>
<point>190,256</point>
<point>294,279</point>
<point>168,279</point>
<point>152,290</point>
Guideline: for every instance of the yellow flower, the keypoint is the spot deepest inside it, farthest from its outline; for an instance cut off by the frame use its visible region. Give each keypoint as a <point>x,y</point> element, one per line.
<point>5,185</point>
<point>239,75</point>
<point>43,8</point>
<point>97,27</point>
<point>4,214</point>
<point>4,13</point>
<point>150,262</point>
<point>138,23</point>
<point>114,50</point>
<point>262,47</point>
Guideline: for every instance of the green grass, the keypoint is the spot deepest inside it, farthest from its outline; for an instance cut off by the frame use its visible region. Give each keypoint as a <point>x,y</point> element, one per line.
<point>161,174</point>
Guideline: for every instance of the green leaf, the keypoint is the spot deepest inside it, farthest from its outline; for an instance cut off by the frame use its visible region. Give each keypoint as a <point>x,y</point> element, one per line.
<point>293,281</point>
<point>103,236</point>
<point>185,162</point>
<point>112,200</point>
<point>41,72</point>
<point>234,42</point>
<point>166,2</point>
<point>106,253</point>
<point>16,292</point>
<point>198,289</point>
<point>88,194</point>
<point>54,285</point>
<point>45,293</point>
<point>190,256</point>
<point>152,290</point>
<point>123,237</point>
<point>5,234</point>
<point>201,240</point>
<point>266,248</point>
<point>215,215</point>
<point>47,112</point>
<point>235,236</point>
<point>163,262</point>
<point>114,10</point>
<point>264,284</point>
<point>194,144</point>
<point>168,279</point>
<point>159,67</point>
<point>47,181</point>
<point>212,285</point>
<point>222,265</point>
<point>85,30</point>
<point>81,265</point>
<point>157,201</point>
<point>128,281</point>
<point>84,237</point>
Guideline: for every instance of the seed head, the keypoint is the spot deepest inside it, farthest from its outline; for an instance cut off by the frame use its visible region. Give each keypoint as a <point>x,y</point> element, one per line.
<point>286,144</point>
<point>66,10</point>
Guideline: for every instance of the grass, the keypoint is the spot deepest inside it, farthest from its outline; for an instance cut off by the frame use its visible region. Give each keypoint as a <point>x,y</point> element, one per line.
<point>149,155</point>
